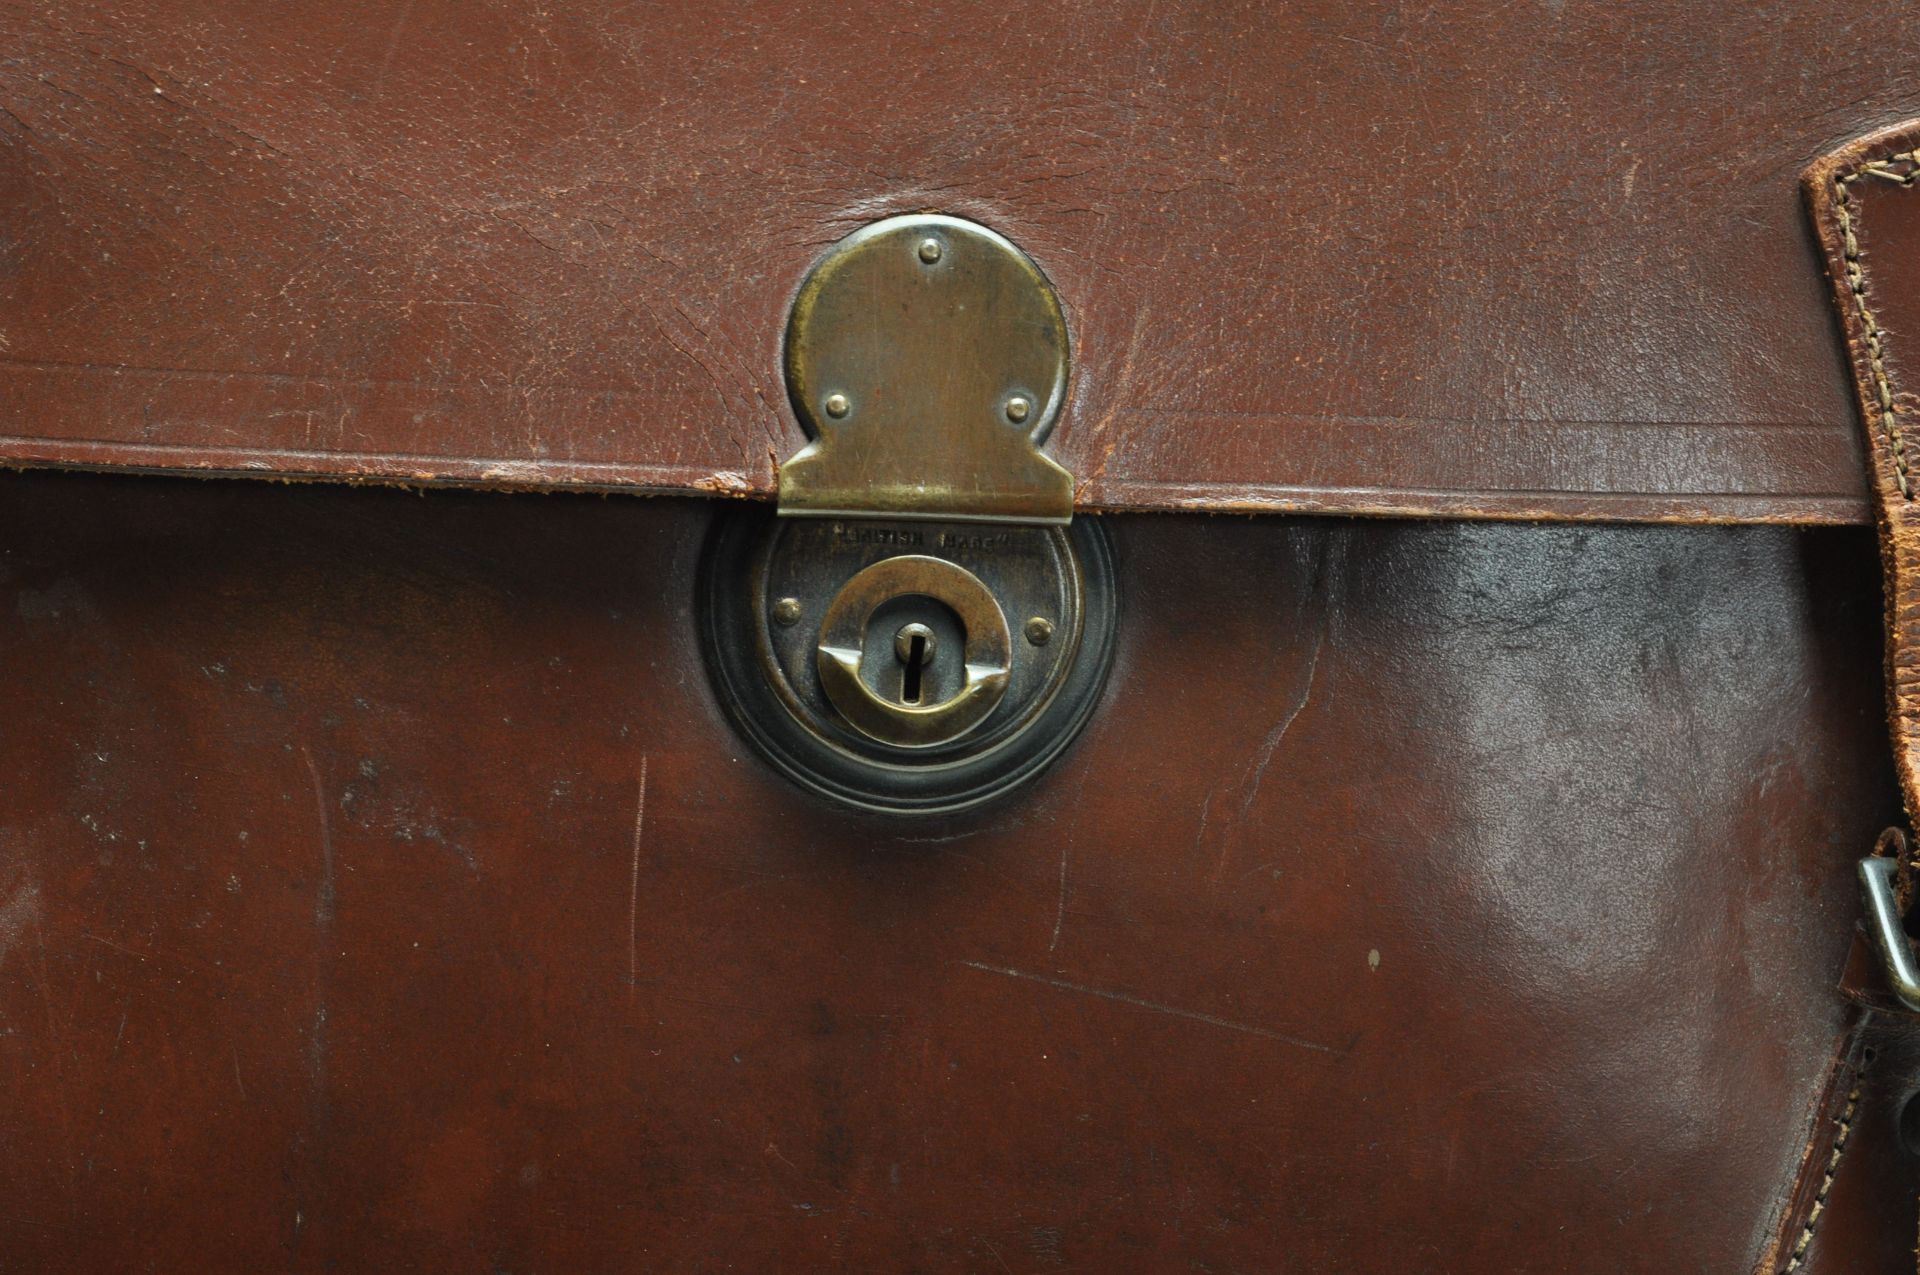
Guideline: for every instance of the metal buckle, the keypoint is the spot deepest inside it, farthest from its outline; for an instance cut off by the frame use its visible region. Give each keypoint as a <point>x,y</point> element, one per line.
<point>1880,891</point>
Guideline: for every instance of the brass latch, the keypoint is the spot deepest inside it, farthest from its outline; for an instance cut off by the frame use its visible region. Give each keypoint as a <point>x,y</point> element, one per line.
<point>927,356</point>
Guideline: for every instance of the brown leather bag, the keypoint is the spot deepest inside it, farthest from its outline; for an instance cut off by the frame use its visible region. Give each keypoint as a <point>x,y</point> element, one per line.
<point>449,880</point>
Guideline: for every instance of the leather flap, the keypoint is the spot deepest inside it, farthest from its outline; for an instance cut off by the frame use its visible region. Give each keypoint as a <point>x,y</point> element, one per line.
<point>1485,260</point>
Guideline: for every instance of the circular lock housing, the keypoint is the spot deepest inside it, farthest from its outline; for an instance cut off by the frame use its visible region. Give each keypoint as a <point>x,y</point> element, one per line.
<point>907,666</point>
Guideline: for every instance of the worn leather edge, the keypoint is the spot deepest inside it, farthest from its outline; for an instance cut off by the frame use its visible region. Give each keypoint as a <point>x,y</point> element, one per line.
<point>1837,220</point>
<point>383,470</point>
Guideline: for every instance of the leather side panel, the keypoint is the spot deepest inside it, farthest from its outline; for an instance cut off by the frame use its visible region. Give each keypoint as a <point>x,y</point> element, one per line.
<point>380,888</point>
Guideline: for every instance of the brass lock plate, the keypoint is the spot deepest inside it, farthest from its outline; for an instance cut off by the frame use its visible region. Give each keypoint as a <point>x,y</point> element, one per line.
<point>927,358</point>
<point>923,625</point>
<point>907,666</point>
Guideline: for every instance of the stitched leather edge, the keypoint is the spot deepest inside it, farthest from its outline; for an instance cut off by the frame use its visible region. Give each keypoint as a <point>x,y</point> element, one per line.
<point>1879,406</point>
<point>1829,186</point>
<point>1827,1139</point>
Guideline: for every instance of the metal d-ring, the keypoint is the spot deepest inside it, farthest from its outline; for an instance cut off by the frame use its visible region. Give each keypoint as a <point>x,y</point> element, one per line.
<point>843,635</point>
<point>1889,935</point>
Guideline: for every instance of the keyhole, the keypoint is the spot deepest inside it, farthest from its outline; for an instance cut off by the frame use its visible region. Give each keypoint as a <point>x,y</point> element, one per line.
<point>913,645</point>
<point>910,683</point>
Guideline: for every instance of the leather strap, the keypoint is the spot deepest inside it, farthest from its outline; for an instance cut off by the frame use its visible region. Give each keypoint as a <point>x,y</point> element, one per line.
<point>1866,214</point>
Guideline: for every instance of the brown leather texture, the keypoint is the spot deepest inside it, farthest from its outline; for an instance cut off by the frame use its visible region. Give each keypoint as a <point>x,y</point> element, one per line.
<point>1476,259</point>
<point>1867,219</point>
<point>381,888</point>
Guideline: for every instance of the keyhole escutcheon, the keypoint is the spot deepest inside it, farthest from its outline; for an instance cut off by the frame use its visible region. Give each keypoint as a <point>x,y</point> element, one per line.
<point>981,665</point>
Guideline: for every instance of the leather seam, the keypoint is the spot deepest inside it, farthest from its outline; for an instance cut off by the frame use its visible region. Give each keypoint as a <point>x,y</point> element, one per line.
<point>1843,1132</point>
<point>1887,169</point>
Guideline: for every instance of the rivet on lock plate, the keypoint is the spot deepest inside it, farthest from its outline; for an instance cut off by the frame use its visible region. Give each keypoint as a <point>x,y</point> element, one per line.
<point>923,625</point>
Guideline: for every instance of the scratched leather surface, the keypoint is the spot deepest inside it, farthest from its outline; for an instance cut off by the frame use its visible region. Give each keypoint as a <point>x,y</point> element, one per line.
<point>1481,258</point>
<point>381,888</point>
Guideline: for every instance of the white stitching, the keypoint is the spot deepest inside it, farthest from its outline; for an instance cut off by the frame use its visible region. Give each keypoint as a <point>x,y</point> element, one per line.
<point>1841,1134</point>
<point>1888,169</point>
